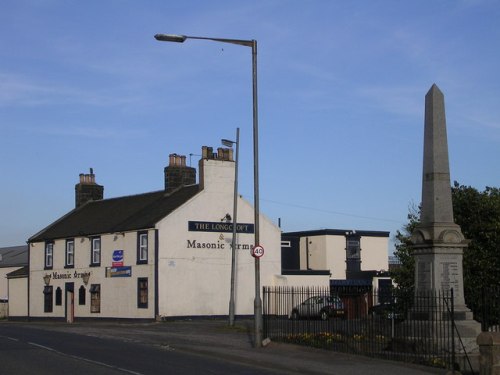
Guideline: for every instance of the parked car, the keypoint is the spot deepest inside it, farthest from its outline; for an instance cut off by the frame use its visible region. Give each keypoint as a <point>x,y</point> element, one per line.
<point>322,307</point>
<point>386,310</point>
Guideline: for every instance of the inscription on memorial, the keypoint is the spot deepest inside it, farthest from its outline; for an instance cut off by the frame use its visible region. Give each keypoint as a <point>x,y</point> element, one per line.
<point>450,276</point>
<point>423,275</point>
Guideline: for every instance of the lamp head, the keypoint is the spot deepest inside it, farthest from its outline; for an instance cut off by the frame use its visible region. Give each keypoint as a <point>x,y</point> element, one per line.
<point>170,38</point>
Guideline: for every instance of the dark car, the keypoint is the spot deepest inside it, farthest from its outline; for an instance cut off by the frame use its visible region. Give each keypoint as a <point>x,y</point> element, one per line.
<point>322,307</point>
<point>386,310</point>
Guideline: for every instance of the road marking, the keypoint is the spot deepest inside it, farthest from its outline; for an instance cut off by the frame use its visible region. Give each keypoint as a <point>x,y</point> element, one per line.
<point>9,338</point>
<point>84,359</point>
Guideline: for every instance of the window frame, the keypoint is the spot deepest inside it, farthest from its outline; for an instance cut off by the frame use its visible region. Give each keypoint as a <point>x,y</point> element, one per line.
<point>95,298</point>
<point>142,291</point>
<point>94,250</point>
<point>48,255</point>
<point>68,253</point>
<point>142,251</point>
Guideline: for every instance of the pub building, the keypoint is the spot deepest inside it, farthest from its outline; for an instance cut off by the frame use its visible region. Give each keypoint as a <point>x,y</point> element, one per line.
<point>155,255</point>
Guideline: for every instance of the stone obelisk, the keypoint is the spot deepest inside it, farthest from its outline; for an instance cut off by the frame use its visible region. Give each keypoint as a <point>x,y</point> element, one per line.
<point>438,242</point>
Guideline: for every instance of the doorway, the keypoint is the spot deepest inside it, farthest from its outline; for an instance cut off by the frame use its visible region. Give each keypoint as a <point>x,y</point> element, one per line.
<point>69,310</point>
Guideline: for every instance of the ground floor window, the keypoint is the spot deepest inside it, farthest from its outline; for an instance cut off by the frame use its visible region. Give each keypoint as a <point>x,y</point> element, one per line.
<point>142,293</point>
<point>58,296</point>
<point>81,295</point>
<point>48,292</point>
<point>95,298</point>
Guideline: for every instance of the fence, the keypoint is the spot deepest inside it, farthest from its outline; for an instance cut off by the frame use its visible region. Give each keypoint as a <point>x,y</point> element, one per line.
<point>489,309</point>
<point>361,320</point>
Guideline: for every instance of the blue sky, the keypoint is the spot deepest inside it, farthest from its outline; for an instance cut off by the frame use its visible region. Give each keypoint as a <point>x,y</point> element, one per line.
<point>341,88</point>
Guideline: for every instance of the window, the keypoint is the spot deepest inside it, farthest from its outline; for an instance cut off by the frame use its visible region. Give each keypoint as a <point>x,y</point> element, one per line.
<point>47,299</point>
<point>142,293</point>
<point>353,253</point>
<point>70,254</point>
<point>58,296</point>
<point>142,247</point>
<point>49,255</point>
<point>95,253</point>
<point>81,295</point>
<point>95,298</point>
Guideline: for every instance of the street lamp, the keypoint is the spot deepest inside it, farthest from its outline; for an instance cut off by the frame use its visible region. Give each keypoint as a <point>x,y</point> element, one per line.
<point>253,44</point>
<point>228,143</point>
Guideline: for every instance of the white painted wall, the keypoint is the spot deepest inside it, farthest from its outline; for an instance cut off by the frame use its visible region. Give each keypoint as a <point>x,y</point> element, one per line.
<point>118,294</point>
<point>374,253</point>
<point>327,252</point>
<point>196,281</point>
<point>18,303</point>
<point>4,293</point>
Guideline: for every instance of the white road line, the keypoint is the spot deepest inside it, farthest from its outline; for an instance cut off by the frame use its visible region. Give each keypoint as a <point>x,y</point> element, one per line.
<point>85,359</point>
<point>9,338</point>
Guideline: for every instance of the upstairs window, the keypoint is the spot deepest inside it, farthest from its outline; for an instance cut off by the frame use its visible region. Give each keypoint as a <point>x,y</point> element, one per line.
<point>49,255</point>
<point>353,252</point>
<point>70,254</point>
<point>95,251</point>
<point>142,247</point>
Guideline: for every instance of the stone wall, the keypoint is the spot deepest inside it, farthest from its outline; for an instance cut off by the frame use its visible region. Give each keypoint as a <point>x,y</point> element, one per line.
<point>489,347</point>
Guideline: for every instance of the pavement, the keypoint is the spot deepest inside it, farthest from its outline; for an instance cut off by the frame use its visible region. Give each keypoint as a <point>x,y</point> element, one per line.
<point>215,338</point>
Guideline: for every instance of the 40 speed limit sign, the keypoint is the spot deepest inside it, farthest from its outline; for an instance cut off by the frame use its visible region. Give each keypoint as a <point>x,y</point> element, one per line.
<point>257,251</point>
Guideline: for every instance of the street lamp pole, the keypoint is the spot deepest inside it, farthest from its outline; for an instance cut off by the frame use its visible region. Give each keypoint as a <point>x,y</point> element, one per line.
<point>253,45</point>
<point>229,143</point>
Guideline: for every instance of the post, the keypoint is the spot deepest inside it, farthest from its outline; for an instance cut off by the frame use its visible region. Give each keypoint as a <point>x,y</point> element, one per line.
<point>235,222</point>
<point>258,300</point>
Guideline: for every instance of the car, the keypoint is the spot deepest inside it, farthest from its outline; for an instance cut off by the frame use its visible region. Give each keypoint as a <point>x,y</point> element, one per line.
<point>386,310</point>
<point>322,307</point>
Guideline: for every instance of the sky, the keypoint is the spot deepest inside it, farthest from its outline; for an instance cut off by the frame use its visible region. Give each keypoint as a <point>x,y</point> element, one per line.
<point>341,87</point>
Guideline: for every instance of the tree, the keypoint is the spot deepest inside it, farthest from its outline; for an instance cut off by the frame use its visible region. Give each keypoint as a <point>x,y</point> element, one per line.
<point>404,275</point>
<point>478,214</point>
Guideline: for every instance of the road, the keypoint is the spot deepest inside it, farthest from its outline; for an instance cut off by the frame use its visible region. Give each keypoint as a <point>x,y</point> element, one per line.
<point>30,350</point>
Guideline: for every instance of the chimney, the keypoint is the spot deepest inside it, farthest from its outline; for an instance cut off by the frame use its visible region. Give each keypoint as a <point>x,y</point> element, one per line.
<point>215,171</point>
<point>177,174</point>
<point>87,189</point>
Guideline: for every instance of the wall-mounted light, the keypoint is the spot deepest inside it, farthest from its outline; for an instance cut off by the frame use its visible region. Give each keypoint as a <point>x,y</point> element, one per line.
<point>46,279</point>
<point>86,277</point>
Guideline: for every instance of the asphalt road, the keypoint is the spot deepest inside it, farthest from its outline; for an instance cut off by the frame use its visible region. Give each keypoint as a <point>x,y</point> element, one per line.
<point>30,350</point>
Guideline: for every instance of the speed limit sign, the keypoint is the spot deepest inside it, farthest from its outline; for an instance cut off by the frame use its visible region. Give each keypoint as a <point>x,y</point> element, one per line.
<point>257,251</point>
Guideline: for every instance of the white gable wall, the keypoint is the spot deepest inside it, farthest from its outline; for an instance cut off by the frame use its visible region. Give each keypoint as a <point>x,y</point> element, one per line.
<point>196,265</point>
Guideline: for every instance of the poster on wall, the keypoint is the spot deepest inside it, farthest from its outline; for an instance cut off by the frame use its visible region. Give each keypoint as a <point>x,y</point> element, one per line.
<point>117,258</point>
<point>125,271</point>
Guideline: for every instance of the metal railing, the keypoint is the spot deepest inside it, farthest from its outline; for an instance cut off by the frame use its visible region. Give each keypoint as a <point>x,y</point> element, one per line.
<point>489,309</point>
<point>376,323</point>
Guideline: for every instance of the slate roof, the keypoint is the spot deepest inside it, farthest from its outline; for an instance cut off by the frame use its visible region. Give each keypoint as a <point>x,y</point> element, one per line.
<point>21,272</point>
<point>14,256</point>
<point>113,215</point>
